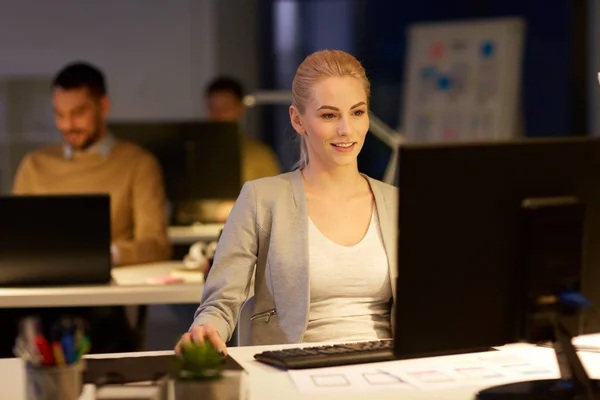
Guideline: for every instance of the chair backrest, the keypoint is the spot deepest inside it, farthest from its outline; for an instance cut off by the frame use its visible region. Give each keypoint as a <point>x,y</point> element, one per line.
<point>244,325</point>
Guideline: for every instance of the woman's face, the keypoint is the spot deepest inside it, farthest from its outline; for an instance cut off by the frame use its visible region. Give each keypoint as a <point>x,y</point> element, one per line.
<point>335,121</point>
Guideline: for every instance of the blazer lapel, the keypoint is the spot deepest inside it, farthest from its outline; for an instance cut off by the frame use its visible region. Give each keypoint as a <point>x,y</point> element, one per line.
<point>293,281</point>
<point>388,224</point>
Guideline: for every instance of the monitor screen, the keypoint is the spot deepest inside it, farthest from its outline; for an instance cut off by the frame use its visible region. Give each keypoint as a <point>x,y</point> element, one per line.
<point>200,160</point>
<point>484,230</point>
<point>374,157</point>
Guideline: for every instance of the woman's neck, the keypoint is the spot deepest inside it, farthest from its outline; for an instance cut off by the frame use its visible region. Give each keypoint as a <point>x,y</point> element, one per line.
<point>341,181</point>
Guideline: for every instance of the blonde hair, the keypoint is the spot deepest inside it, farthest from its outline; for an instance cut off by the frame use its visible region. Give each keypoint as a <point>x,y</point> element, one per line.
<point>317,66</point>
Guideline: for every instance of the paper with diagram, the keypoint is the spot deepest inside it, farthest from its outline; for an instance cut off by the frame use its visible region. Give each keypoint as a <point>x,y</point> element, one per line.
<point>353,378</point>
<point>439,373</point>
<point>481,369</point>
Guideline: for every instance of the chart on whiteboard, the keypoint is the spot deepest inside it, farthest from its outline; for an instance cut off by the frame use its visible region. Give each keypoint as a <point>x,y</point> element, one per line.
<point>463,81</point>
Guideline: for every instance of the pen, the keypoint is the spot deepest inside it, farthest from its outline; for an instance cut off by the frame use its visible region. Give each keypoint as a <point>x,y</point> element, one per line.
<point>44,350</point>
<point>83,347</point>
<point>29,326</point>
<point>59,356</point>
<point>68,346</point>
<point>21,350</point>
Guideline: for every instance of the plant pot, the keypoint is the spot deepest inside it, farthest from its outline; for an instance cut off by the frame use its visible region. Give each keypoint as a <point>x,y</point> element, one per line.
<point>231,385</point>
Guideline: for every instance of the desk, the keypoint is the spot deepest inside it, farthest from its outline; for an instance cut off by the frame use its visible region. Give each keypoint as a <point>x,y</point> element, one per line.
<point>130,287</point>
<point>269,383</point>
<point>187,235</point>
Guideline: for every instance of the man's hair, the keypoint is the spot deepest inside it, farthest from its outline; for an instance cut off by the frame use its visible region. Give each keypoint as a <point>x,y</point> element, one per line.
<point>81,74</point>
<point>226,84</point>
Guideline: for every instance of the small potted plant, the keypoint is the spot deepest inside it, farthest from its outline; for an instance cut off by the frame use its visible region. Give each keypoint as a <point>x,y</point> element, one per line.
<point>200,362</point>
<point>201,375</point>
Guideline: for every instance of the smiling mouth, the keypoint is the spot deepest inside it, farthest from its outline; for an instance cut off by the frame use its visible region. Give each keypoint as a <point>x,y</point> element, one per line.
<point>343,145</point>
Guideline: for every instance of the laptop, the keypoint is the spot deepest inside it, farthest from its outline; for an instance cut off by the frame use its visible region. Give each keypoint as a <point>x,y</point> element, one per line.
<point>48,240</point>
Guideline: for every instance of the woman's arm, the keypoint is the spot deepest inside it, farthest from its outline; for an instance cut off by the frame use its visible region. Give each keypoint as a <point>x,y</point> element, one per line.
<point>228,281</point>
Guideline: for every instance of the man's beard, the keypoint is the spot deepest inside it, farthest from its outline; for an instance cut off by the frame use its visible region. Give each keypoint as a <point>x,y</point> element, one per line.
<point>91,139</point>
<point>91,136</point>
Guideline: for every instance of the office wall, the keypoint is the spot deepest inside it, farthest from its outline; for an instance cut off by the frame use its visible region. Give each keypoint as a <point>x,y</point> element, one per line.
<point>237,48</point>
<point>156,54</point>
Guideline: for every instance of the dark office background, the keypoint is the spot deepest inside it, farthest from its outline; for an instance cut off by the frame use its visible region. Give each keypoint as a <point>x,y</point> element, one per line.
<point>554,65</point>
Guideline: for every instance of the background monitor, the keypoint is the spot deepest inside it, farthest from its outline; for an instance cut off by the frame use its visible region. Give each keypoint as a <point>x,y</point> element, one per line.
<point>484,229</point>
<point>55,240</point>
<point>375,156</point>
<point>200,160</point>
<point>201,163</point>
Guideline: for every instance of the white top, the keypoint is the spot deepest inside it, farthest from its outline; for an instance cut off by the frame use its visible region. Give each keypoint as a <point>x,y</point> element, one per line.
<point>350,288</point>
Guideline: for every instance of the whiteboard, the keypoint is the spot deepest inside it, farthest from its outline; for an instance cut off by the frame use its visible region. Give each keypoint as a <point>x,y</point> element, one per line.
<point>463,81</point>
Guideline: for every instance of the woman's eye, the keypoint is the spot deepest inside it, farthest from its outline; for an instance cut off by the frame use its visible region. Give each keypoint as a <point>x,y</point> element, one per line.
<point>358,113</point>
<point>328,116</point>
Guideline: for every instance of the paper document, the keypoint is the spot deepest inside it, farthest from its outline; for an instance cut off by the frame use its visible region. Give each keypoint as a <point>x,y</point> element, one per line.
<point>481,369</point>
<point>353,378</point>
<point>587,343</point>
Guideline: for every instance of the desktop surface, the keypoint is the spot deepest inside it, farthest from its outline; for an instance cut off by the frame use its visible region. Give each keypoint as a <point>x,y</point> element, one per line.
<point>267,382</point>
<point>131,285</point>
<point>54,240</point>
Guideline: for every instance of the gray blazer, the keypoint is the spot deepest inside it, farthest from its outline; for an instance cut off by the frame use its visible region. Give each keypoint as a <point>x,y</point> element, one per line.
<point>267,234</point>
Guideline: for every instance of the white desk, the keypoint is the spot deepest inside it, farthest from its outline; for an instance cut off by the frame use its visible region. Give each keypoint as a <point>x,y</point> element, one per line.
<point>269,383</point>
<point>188,235</point>
<point>130,287</point>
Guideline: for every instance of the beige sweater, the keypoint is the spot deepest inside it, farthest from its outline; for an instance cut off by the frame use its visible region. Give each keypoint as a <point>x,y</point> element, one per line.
<point>131,176</point>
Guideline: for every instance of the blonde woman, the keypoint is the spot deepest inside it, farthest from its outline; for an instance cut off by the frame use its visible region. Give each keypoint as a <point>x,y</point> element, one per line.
<point>321,239</point>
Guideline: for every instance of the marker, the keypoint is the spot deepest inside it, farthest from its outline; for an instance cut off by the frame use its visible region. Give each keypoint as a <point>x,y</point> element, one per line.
<point>83,347</point>
<point>59,356</point>
<point>68,347</point>
<point>44,349</point>
<point>30,330</point>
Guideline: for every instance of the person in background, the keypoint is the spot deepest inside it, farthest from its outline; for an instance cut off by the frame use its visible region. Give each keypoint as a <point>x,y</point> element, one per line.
<point>224,98</point>
<point>321,239</point>
<point>91,160</point>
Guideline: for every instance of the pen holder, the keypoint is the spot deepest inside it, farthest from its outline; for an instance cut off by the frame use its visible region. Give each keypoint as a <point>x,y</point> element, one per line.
<point>50,383</point>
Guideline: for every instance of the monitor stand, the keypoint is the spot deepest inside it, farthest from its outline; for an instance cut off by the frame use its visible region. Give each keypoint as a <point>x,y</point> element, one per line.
<point>574,383</point>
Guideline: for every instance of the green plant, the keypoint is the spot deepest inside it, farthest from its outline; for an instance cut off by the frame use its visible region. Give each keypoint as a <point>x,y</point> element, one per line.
<point>200,361</point>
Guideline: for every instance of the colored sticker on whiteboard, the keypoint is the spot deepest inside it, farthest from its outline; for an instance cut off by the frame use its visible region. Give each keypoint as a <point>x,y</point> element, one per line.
<point>437,51</point>
<point>488,49</point>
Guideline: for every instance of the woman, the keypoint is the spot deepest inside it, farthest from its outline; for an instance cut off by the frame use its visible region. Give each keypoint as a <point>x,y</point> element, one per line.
<point>322,238</point>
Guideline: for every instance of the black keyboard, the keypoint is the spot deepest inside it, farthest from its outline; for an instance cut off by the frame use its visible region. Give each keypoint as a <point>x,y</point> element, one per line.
<point>330,355</point>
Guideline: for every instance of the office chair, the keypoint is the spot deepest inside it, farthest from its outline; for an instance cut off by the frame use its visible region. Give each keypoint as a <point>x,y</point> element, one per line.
<point>242,336</point>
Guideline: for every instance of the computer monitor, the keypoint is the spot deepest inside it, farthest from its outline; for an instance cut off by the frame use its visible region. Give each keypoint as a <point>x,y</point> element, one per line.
<point>375,156</point>
<point>48,240</point>
<point>486,230</point>
<point>200,160</point>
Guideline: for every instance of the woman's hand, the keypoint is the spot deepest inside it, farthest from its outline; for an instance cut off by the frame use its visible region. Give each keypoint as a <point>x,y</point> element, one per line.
<point>198,334</point>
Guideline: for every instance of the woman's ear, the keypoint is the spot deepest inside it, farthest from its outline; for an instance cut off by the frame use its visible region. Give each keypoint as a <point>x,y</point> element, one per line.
<point>296,120</point>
